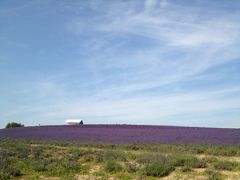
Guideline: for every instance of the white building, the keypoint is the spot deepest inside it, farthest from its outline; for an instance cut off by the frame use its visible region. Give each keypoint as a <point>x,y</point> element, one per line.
<point>73,121</point>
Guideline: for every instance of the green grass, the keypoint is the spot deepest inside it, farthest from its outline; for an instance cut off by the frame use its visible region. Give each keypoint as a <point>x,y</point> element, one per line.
<point>29,159</point>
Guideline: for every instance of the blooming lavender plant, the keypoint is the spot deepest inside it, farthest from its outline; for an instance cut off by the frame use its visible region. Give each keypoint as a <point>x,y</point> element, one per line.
<point>128,134</point>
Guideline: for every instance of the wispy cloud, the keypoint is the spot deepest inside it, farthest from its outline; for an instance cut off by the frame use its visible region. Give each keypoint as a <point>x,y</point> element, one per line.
<point>164,109</point>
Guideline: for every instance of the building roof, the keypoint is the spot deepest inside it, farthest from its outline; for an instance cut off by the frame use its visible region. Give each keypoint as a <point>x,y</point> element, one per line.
<point>73,120</point>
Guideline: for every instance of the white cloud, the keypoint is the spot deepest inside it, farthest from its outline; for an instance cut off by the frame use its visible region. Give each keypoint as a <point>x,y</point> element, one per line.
<point>202,43</point>
<point>174,31</point>
<point>158,109</point>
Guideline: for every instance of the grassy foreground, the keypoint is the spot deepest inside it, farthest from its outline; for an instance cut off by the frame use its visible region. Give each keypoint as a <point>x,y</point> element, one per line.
<point>28,159</point>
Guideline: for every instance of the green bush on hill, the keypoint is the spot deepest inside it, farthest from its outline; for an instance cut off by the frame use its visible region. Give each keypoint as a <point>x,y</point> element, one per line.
<point>14,125</point>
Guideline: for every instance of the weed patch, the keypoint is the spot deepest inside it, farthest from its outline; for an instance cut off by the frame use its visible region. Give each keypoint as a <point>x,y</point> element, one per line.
<point>158,170</point>
<point>113,167</point>
<point>213,175</point>
<point>225,165</point>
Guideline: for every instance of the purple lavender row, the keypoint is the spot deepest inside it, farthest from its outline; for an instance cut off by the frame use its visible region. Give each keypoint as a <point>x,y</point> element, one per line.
<point>127,134</point>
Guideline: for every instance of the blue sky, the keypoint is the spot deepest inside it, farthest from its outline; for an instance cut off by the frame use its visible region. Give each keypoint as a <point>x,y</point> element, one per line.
<point>163,62</point>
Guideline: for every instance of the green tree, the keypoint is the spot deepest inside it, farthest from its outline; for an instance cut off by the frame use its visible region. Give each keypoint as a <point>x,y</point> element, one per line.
<point>14,125</point>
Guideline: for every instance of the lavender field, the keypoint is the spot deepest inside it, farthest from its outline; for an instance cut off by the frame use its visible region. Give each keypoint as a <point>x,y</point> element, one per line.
<point>126,134</point>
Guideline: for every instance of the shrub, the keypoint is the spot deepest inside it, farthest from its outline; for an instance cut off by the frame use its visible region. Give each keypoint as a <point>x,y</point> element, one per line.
<point>132,156</point>
<point>76,153</point>
<point>213,175</point>
<point>223,150</point>
<point>123,176</point>
<point>131,168</point>
<point>209,159</point>
<point>71,166</point>
<point>199,164</point>
<point>22,152</point>
<point>10,172</point>
<point>63,167</point>
<point>144,160</point>
<point>158,170</point>
<point>115,155</point>
<point>198,149</point>
<point>181,160</point>
<point>88,158</point>
<point>147,158</point>
<point>110,155</point>
<point>14,125</point>
<point>15,172</point>
<point>37,152</point>
<point>112,166</point>
<point>4,175</point>
<point>134,147</point>
<point>225,165</point>
<point>41,165</point>
<point>8,166</point>
<point>99,157</point>
<point>186,169</point>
